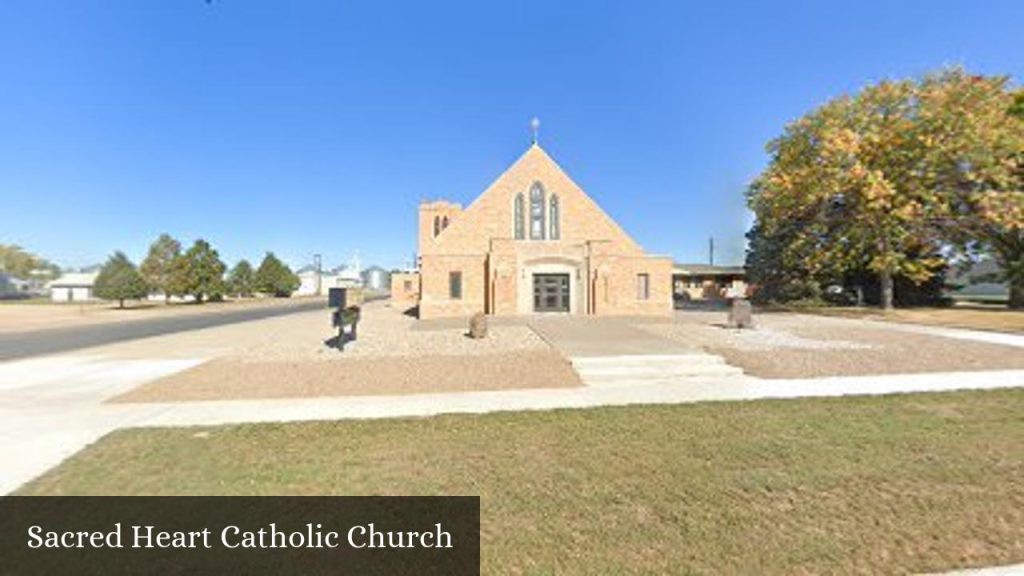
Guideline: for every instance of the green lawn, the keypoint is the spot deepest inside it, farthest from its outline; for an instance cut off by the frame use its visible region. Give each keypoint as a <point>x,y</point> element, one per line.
<point>873,485</point>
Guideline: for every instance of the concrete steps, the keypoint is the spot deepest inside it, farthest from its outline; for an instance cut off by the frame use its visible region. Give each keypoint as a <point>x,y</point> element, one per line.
<point>638,370</point>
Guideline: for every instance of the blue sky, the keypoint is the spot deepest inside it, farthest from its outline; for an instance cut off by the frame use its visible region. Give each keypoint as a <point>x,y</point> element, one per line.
<point>308,127</point>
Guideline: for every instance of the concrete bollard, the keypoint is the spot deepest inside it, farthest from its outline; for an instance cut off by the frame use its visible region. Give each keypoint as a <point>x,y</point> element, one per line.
<point>478,326</point>
<point>741,314</point>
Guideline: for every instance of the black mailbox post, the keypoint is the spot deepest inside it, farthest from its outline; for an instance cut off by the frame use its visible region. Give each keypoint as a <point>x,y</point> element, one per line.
<point>342,315</point>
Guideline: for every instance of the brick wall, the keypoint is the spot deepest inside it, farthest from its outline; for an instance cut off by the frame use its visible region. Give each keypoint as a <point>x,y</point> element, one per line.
<point>438,215</point>
<point>479,243</point>
<point>405,289</point>
<point>614,280</point>
<point>435,274</point>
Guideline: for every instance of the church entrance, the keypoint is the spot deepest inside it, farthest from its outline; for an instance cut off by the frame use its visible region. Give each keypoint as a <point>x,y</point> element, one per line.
<point>550,292</point>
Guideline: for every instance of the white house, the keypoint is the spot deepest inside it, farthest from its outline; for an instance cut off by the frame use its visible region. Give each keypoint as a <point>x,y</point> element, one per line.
<point>312,282</point>
<point>73,287</point>
<point>14,287</point>
<point>345,276</point>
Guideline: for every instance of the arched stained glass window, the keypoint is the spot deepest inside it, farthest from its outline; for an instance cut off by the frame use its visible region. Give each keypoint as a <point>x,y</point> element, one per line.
<point>554,233</point>
<point>518,216</point>
<point>537,212</point>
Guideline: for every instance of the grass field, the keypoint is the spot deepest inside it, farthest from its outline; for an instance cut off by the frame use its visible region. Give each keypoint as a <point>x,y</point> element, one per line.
<point>892,484</point>
<point>974,317</point>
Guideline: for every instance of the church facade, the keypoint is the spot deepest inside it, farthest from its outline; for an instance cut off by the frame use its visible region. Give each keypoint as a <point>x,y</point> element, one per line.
<point>534,243</point>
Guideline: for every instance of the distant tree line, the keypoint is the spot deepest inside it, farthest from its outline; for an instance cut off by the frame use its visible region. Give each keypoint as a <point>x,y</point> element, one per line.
<point>197,272</point>
<point>890,187</point>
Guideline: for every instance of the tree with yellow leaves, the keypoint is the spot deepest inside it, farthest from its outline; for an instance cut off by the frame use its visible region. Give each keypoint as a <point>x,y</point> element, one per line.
<point>974,130</point>
<point>890,179</point>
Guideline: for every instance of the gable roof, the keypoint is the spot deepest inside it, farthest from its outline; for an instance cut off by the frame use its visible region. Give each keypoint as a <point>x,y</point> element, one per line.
<point>708,270</point>
<point>75,279</point>
<point>489,216</point>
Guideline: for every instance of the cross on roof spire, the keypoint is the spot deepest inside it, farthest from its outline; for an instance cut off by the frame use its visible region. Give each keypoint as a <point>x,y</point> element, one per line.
<point>535,125</point>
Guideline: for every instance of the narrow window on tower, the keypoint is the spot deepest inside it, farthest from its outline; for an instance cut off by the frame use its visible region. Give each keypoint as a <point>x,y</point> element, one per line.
<point>554,232</point>
<point>518,217</point>
<point>537,212</point>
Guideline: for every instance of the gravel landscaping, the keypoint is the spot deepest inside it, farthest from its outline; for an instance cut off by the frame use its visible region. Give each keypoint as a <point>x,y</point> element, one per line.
<point>796,346</point>
<point>292,358</point>
<point>233,379</point>
<point>386,332</point>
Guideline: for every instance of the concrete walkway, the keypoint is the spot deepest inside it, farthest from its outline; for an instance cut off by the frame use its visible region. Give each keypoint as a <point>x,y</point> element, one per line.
<point>576,337</point>
<point>52,407</point>
<point>1011,570</point>
<point>983,336</point>
<point>694,390</point>
<point>643,370</point>
<point>1003,338</point>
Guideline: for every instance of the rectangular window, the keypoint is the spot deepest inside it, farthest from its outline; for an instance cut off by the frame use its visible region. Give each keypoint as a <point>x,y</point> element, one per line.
<point>643,286</point>
<point>408,285</point>
<point>455,285</point>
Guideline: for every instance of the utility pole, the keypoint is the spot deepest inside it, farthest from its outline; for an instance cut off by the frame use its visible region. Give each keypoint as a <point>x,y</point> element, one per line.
<point>316,262</point>
<point>711,250</point>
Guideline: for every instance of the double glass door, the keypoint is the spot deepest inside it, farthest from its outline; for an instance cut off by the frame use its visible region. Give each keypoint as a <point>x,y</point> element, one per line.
<point>550,292</point>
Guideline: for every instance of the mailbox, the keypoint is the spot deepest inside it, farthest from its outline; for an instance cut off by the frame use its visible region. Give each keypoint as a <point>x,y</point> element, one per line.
<point>342,316</point>
<point>337,298</point>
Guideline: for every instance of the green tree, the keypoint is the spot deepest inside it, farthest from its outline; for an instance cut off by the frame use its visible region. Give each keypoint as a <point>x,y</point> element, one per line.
<point>776,271</point>
<point>1017,109</point>
<point>883,181</point>
<point>198,272</point>
<point>120,280</point>
<point>156,267</point>
<point>241,281</point>
<point>25,265</point>
<point>275,277</point>
<point>179,276</point>
<point>974,126</point>
<point>206,271</point>
<point>1012,258</point>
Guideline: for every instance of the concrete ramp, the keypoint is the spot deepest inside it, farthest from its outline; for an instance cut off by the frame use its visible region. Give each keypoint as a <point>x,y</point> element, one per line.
<point>615,371</point>
<point>610,352</point>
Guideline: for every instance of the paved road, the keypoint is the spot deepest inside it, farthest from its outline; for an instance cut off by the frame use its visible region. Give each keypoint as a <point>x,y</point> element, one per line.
<point>52,340</point>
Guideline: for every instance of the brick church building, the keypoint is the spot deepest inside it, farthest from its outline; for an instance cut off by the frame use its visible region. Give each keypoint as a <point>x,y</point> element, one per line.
<point>533,242</point>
